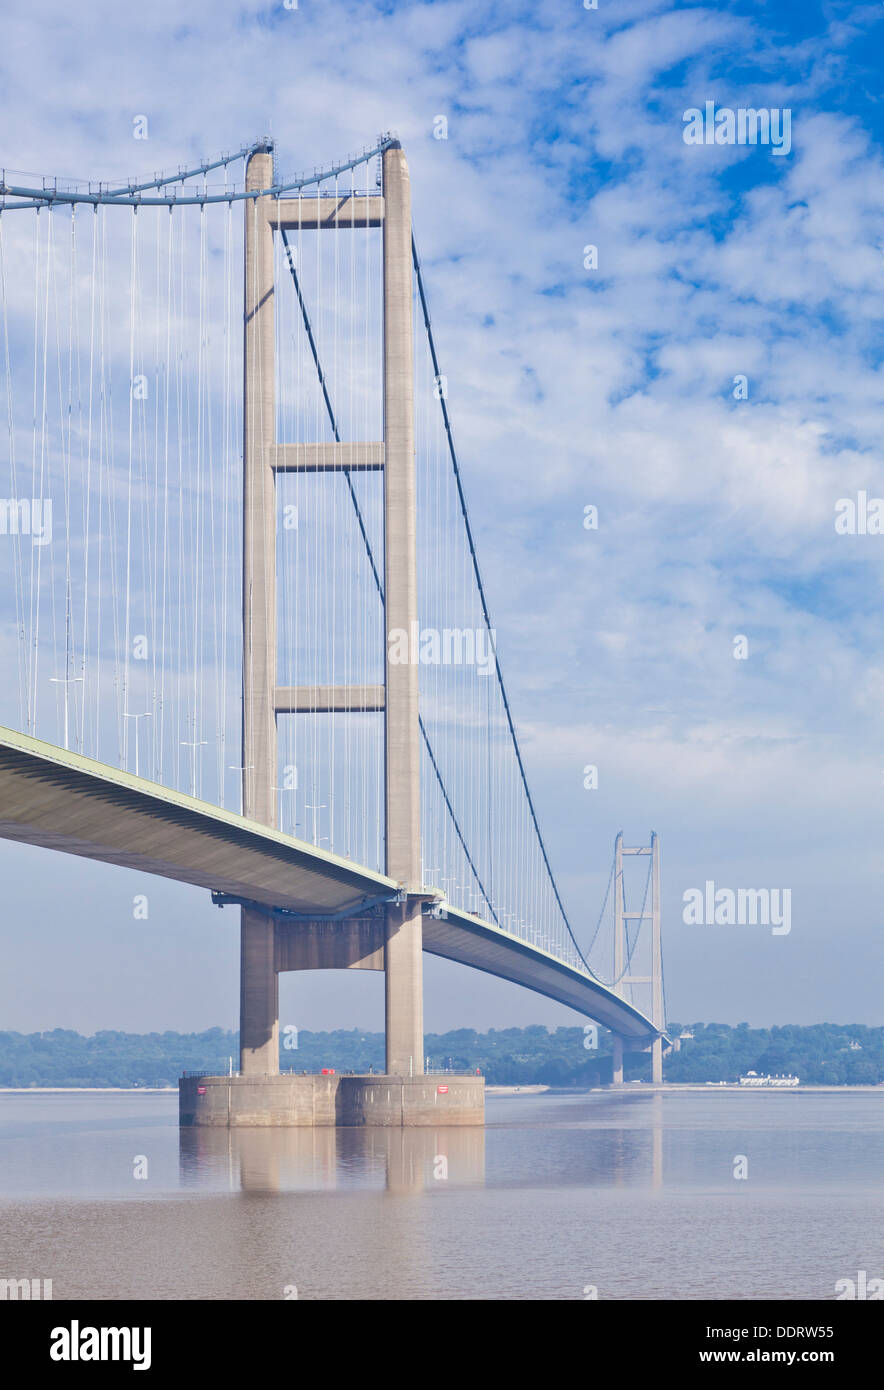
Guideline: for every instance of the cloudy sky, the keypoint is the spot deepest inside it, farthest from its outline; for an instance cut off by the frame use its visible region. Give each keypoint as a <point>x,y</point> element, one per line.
<point>711,382</point>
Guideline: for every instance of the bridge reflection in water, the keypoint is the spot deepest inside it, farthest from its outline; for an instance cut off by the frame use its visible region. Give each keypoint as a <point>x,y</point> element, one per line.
<point>328,1159</point>
<point>621,1147</point>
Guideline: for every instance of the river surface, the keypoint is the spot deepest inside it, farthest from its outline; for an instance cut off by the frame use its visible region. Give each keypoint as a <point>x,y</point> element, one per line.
<point>561,1196</point>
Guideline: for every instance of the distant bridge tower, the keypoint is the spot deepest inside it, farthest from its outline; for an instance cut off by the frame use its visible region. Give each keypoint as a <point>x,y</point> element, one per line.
<point>650,913</point>
<point>267,944</point>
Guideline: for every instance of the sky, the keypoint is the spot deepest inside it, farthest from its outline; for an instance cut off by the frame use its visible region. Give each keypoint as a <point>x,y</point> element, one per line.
<point>709,380</point>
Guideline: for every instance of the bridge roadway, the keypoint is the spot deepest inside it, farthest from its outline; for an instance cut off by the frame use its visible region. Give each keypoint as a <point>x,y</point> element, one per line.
<point>62,801</point>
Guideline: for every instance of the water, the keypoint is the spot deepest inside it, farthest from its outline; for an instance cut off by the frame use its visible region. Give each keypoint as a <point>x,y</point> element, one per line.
<point>628,1194</point>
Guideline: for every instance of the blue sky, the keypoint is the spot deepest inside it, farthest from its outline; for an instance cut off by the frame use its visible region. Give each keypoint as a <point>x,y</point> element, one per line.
<point>567,387</point>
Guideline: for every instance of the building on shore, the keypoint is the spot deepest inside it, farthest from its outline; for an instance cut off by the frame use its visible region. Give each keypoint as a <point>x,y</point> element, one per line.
<point>753,1079</point>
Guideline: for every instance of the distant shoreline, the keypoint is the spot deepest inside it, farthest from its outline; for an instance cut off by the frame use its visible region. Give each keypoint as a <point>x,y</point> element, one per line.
<point>698,1087</point>
<point>708,1088</point>
<point>629,1088</point>
<point>95,1090</point>
<point>526,1090</point>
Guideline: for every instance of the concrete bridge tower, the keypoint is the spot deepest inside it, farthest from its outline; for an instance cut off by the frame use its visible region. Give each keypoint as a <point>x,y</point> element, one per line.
<point>393,944</point>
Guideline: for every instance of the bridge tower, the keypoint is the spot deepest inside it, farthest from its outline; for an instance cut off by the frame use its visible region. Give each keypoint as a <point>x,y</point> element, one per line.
<point>267,945</point>
<point>621,964</point>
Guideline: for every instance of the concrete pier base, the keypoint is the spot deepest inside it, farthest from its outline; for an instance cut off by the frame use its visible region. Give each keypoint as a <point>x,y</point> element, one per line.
<point>301,1101</point>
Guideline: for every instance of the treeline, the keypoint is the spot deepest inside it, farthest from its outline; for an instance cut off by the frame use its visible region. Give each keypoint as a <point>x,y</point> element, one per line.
<point>821,1054</point>
<point>64,1058</point>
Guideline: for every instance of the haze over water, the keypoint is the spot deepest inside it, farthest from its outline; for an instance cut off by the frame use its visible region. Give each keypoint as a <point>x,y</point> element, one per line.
<point>630,1194</point>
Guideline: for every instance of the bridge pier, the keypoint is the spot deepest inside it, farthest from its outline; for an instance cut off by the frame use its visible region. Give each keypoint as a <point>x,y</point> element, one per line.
<point>260,1095</point>
<point>287,1101</point>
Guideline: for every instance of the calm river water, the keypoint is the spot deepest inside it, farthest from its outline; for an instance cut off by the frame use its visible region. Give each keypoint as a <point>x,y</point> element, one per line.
<point>628,1195</point>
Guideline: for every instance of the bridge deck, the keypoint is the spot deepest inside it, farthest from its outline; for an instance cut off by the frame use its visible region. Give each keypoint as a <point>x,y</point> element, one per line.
<point>473,941</point>
<point>62,801</point>
<point>65,802</point>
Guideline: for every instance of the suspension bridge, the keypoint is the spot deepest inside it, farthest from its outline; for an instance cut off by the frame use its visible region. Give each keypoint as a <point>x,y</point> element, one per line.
<point>253,647</point>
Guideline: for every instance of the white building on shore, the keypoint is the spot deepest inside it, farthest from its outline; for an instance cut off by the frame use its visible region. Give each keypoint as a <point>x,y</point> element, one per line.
<point>753,1079</point>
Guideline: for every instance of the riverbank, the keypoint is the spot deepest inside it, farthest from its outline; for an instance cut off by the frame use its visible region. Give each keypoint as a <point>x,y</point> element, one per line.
<point>515,1090</point>
<point>708,1088</point>
<point>85,1090</point>
<point>628,1088</point>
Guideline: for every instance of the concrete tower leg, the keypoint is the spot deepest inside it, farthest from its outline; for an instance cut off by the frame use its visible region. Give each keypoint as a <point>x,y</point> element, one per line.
<point>258,995</point>
<point>402,957</point>
<point>404,1013</point>
<point>258,980</point>
<point>617,1069</point>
